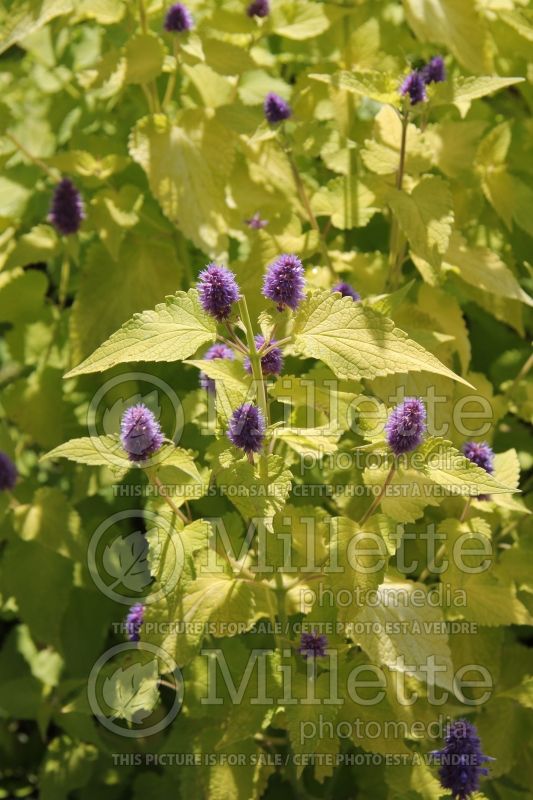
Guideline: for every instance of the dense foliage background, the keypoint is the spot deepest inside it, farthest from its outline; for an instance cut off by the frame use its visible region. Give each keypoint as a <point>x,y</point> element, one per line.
<point>164,135</point>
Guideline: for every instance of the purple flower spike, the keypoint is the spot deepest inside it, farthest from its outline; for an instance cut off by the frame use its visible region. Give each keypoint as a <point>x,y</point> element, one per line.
<point>313,645</point>
<point>276,108</point>
<point>414,86</point>
<point>258,8</point>
<point>178,19</point>
<point>461,760</point>
<point>434,71</point>
<point>247,428</point>
<point>217,351</point>
<point>406,426</point>
<point>347,291</point>
<point>481,454</point>
<point>256,223</point>
<point>133,622</point>
<point>140,433</point>
<point>8,473</point>
<point>218,291</point>
<point>284,282</point>
<point>67,210</point>
<point>271,363</point>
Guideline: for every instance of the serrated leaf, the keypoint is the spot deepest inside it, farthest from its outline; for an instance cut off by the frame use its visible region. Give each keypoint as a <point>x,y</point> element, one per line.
<point>463,90</point>
<point>261,492</point>
<point>380,86</point>
<point>357,342</point>
<point>171,332</point>
<point>24,17</point>
<point>425,216</point>
<point>448,467</point>
<point>182,179</point>
<point>93,450</point>
<point>125,559</point>
<point>131,692</point>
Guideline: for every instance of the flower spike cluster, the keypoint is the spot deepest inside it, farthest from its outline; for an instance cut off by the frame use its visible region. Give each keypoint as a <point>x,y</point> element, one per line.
<point>313,645</point>
<point>276,108</point>
<point>218,291</point>
<point>8,473</point>
<point>215,352</point>
<point>434,71</point>
<point>271,363</point>
<point>258,8</point>
<point>461,760</point>
<point>481,454</point>
<point>347,291</point>
<point>67,210</point>
<point>406,426</point>
<point>247,428</point>
<point>178,19</point>
<point>284,282</point>
<point>140,433</point>
<point>415,83</point>
<point>134,621</point>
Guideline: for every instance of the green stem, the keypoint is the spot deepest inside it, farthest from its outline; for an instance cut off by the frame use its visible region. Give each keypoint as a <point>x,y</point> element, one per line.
<point>64,279</point>
<point>171,84</point>
<point>378,498</point>
<point>255,360</point>
<point>397,242</point>
<point>304,197</point>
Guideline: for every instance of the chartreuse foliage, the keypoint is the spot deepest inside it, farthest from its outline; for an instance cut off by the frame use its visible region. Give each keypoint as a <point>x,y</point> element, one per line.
<point>401,563</point>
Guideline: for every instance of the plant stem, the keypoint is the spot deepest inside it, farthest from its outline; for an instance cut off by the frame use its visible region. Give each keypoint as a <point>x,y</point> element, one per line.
<point>304,197</point>
<point>170,502</point>
<point>150,89</point>
<point>64,279</point>
<point>397,242</point>
<point>255,360</point>
<point>37,161</point>
<point>171,84</point>
<point>378,498</point>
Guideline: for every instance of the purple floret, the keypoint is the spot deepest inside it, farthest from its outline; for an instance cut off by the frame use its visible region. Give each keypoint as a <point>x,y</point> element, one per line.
<point>178,19</point>
<point>414,86</point>
<point>406,426</point>
<point>347,291</point>
<point>276,108</point>
<point>434,71</point>
<point>284,282</point>
<point>133,622</point>
<point>482,455</point>
<point>313,645</point>
<point>140,433</point>
<point>218,291</point>
<point>247,428</point>
<point>271,363</point>
<point>67,210</point>
<point>258,8</point>
<point>215,352</point>
<point>8,473</point>
<point>461,760</point>
<point>256,223</point>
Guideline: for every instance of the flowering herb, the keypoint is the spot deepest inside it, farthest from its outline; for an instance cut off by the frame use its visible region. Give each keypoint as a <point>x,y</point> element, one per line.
<point>415,87</point>
<point>276,108</point>
<point>67,210</point>
<point>134,621</point>
<point>406,426</point>
<point>247,428</point>
<point>218,291</point>
<point>346,290</point>
<point>461,760</point>
<point>178,19</point>
<point>284,282</point>
<point>313,644</point>
<point>140,433</point>
<point>8,472</point>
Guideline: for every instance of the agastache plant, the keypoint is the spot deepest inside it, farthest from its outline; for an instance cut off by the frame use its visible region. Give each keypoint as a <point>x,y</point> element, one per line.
<point>286,499</point>
<point>67,211</point>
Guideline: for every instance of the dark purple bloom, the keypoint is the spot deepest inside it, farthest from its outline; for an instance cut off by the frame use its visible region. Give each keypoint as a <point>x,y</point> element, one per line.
<point>67,210</point>
<point>434,71</point>
<point>258,8</point>
<point>247,428</point>
<point>256,222</point>
<point>178,19</point>
<point>8,472</point>
<point>461,760</point>
<point>133,622</point>
<point>346,290</point>
<point>271,363</point>
<point>284,282</point>
<point>406,425</point>
<point>140,433</point>
<point>414,86</point>
<point>313,645</point>
<point>218,291</point>
<point>217,351</point>
<point>482,455</point>
<point>276,108</point>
